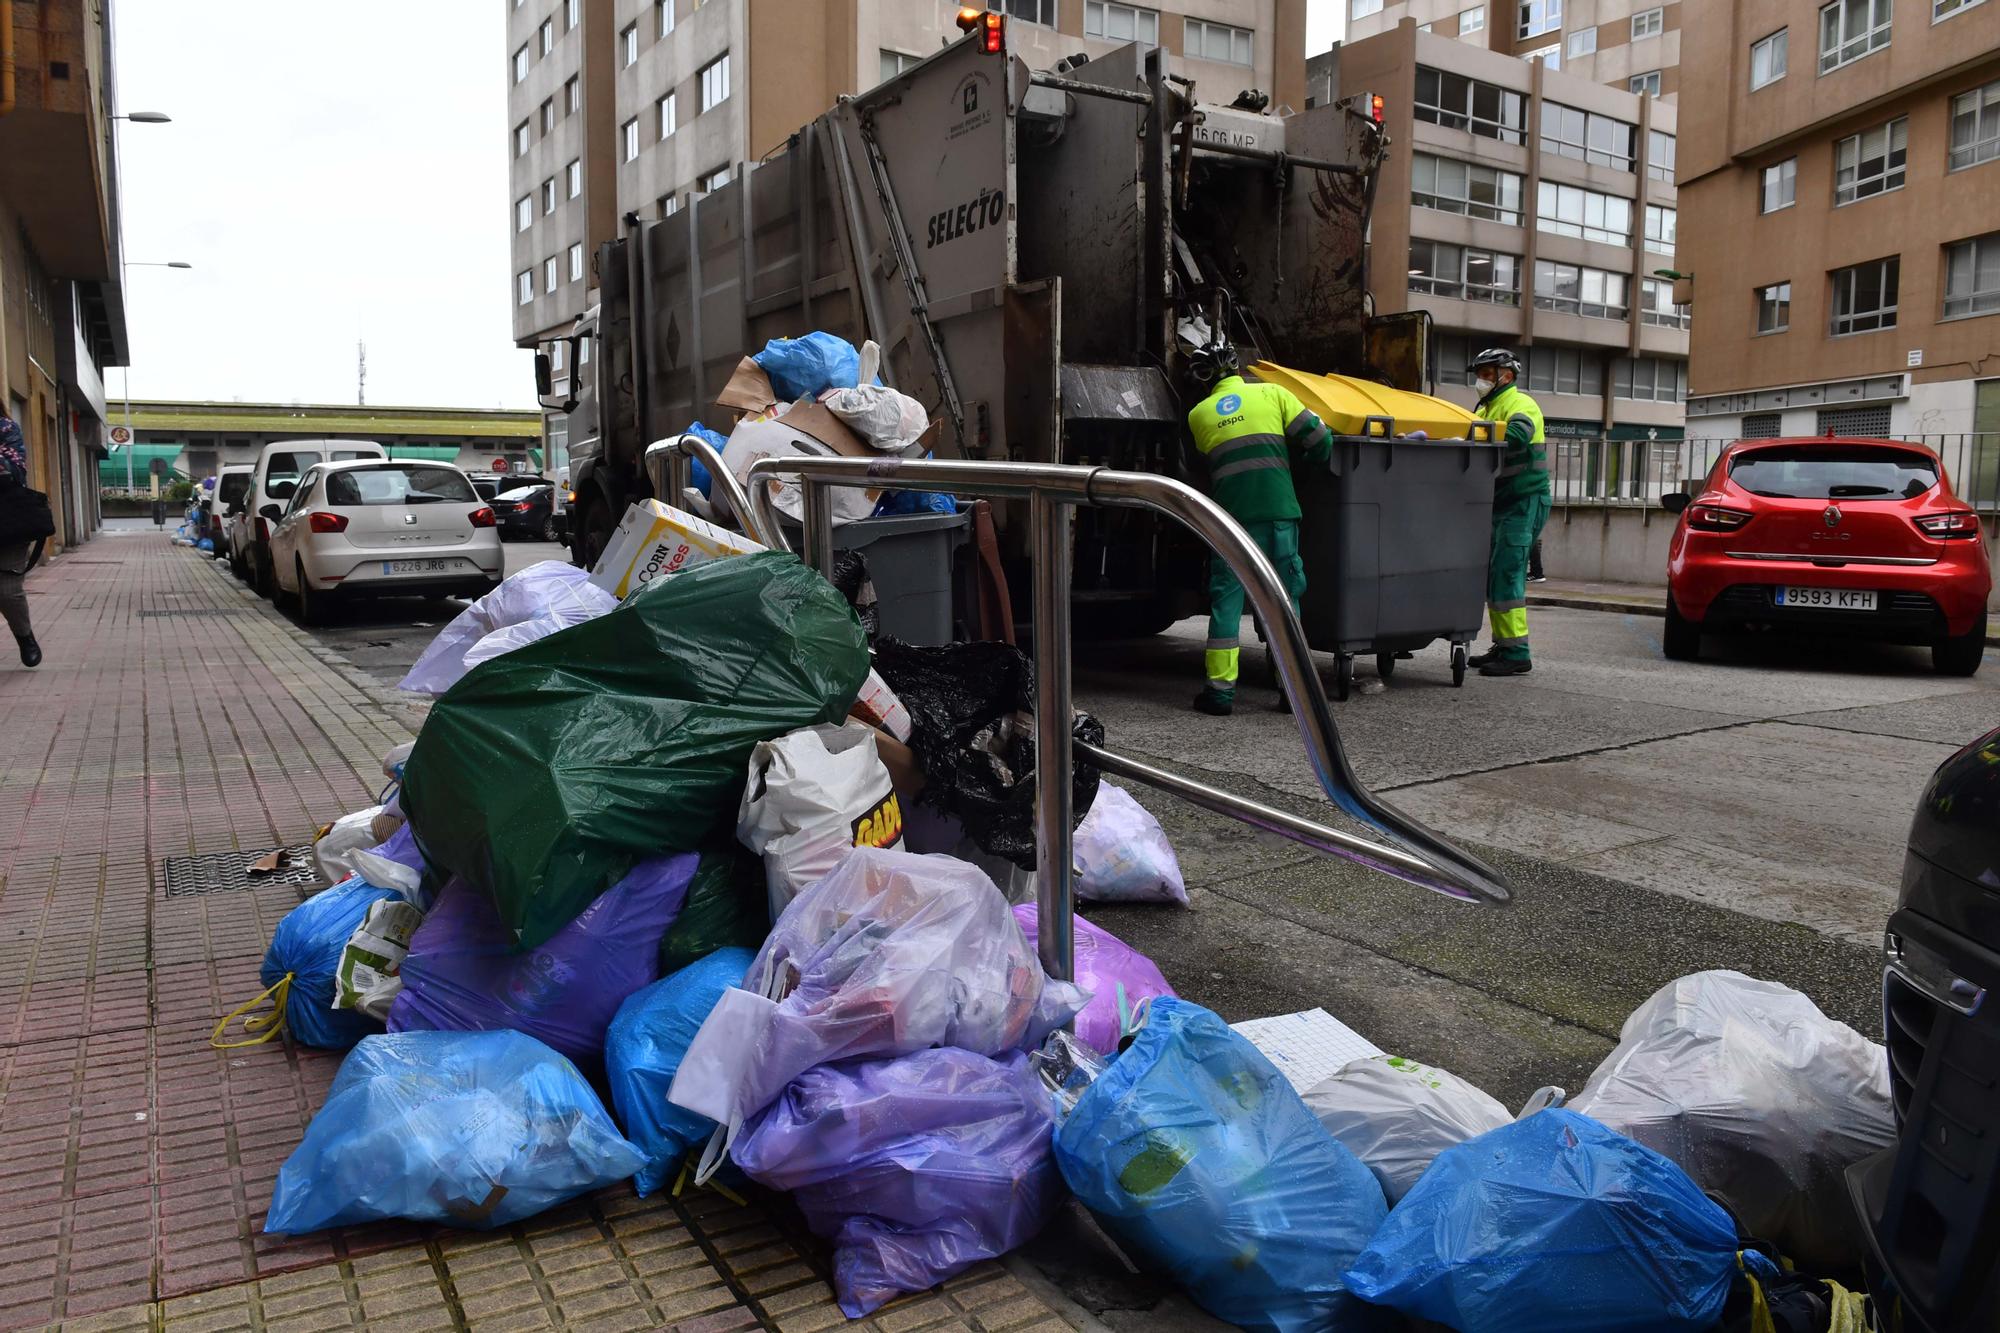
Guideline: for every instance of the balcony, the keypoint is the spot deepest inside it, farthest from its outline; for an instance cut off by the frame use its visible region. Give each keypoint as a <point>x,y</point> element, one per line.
<point>51,168</point>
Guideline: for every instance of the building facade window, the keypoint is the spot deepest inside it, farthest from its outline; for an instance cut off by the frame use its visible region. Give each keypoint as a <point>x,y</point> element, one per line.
<point>521,139</point>
<point>1459,103</point>
<point>548,35</point>
<point>1660,156</point>
<point>1556,369</point>
<point>1573,290</point>
<point>1552,56</point>
<point>572,14</point>
<point>669,115</point>
<point>524,286</point>
<point>1975,127</point>
<point>1661,225</point>
<point>1538,17</point>
<point>524,213</point>
<point>1360,9</point>
<point>575,174</point>
<point>1648,23</point>
<point>1567,210</point>
<point>714,83</point>
<point>548,115</point>
<point>1851,29</point>
<point>1853,422</point>
<point>1582,42</point>
<point>629,135</point>
<point>1944,9</point>
<point>1129,23</point>
<point>670,204</point>
<point>1972,277</point>
<point>712,180</point>
<point>628,46</point>
<point>1216,41</point>
<point>1780,186</point>
<point>576,262</point>
<point>1767,59</point>
<point>1030,11</point>
<point>521,65</point>
<point>894,63</point>
<point>1471,20</point>
<point>665,12</point>
<point>1656,305</point>
<point>1871,162</point>
<point>550,273</point>
<point>1587,136</point>
<point>1650,379</point>
<point>1762,425</point>
<point>1468,188</point>
<point>548,196</point>
<point>1646,85</point>
<point>1472,275</point>
<point>1864,297</point>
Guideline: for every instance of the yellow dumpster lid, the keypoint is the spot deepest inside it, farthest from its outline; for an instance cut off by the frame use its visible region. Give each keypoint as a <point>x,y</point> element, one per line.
<point>1345,403</point>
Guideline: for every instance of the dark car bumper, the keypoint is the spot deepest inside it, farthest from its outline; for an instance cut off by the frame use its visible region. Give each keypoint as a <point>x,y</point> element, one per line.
<point>468,586</point>
<point>523,525</point>
<point>1898,617</point>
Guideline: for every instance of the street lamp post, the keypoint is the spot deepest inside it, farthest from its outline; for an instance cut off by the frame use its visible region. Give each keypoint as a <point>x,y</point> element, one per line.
<point>125,372</point>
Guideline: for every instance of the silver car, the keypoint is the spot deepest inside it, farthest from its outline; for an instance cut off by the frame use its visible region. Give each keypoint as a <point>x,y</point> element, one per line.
<point>375,528</point>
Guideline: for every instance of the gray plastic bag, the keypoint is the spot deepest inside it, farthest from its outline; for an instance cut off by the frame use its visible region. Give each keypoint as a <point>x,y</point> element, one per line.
<point>1397,1116</point>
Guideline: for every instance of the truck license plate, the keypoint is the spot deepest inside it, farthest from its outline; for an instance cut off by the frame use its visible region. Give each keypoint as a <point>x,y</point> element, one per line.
<point>418,566</point>
<point>1828,599</point>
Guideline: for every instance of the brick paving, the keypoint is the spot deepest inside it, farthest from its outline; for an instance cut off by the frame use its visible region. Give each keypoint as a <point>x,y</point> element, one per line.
<point>177,715</point>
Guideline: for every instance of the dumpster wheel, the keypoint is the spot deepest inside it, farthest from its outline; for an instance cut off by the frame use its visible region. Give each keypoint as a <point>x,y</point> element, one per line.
<point>1343,677</point>
<point>1458,663</point>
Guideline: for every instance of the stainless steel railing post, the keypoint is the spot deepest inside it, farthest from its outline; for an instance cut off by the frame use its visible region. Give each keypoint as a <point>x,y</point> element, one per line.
<point>1055,822</point>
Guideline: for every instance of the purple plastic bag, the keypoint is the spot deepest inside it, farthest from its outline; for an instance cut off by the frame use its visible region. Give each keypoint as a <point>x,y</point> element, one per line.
<point>1109,969</point>
<point>915,1167</point>
<point>463,975</point>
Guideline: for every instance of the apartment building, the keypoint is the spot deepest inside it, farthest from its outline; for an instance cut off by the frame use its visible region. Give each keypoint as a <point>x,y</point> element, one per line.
<point>1841,175</point>
<point>1630,44</point>
<point>62,311</point>
<point>633,106</point>
<point>1531,209</point>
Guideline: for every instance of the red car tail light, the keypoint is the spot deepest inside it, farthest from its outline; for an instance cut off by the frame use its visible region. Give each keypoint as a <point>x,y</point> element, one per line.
<point>1716,518</point>
<point>1957,523</point>
<point>523,507</point>
<point>263,529</point>
<point>320,521</point>
<point>481,517</point>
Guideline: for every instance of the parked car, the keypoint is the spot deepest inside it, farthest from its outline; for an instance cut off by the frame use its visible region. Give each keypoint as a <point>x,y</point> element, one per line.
<point>382,529</point>
<point>279,466</point>
<point>487,485</point>
<point>527,512</point>
<point>1861,538</point>
<point>1930,1204</point>
<point>230,484</point>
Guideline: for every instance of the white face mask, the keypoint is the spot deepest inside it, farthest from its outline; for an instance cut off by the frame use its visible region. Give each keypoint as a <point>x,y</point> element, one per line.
<point>1486,383</point>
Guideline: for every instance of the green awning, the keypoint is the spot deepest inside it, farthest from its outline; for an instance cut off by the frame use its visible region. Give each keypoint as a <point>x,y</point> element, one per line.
<point>535,457</point>
<point>111,468</point>
<point>425,453</point>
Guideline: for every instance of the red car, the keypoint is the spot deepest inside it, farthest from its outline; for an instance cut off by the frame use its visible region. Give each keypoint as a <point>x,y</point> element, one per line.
<point>1861,538</point>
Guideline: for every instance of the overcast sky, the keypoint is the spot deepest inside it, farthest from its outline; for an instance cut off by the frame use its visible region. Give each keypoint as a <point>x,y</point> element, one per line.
<point>335,173</point>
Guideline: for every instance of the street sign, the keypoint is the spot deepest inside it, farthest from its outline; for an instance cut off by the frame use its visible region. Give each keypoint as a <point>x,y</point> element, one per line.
<point>120,435</point>
<point>499,465</point>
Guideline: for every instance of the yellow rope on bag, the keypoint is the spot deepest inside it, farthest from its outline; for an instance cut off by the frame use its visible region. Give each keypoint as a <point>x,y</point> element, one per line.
<point>1760,1308</point>
<point>263,1026</point>
<point>1850,1310</point>
<point>680,1183</point>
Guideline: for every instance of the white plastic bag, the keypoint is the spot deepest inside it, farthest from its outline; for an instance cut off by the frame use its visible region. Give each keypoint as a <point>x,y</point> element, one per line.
<point>1760,1097</point>
<point>772,438</point>
<point>887,420</point>
<point>370,971</point>
<point>1124,854</point>
<point>891,953</point>
<point>333,853</point>
<point>548,588</point>
<point>813,796</point>
<point>1397,1115</point>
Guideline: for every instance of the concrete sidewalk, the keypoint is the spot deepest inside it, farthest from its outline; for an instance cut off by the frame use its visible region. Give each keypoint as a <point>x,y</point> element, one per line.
<point>175,716</point>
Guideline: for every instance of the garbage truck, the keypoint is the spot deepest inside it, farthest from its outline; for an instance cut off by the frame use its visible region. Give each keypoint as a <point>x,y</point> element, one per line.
<point>1034,251</point>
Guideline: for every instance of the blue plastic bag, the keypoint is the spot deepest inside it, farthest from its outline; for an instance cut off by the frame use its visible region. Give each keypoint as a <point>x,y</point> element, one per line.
<point>916,1167</point>
<point>643,1051</point>
<point>913,502</point>
<point>307,944</point>
<point>1195,1152</point>
<point>809,366</point>
<point>1553,1224</point>
<point>474,1129</point>
<point>698,470</point>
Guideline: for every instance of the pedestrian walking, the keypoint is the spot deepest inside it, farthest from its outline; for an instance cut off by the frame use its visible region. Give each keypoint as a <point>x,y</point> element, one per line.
<point>1245,432</point>
<point>1521,500</point>
<point>16,556</point>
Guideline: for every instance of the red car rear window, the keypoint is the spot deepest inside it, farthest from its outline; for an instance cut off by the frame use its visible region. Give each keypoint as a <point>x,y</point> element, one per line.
<point>1833,472</point>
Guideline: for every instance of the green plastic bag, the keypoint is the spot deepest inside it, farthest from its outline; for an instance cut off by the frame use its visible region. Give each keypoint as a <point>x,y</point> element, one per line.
<point>725,906</point>
<point>544,774</point>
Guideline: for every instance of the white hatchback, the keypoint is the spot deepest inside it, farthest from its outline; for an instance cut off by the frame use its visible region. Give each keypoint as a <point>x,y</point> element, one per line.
<point>374,528</point>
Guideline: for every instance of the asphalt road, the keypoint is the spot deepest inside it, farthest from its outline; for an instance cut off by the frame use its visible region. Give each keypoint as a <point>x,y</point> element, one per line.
<point>1656,818</point>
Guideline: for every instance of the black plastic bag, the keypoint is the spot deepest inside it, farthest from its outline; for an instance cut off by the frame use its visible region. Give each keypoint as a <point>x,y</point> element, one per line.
<point>725,906</point>
<point>850,578</point>
<point>972,707</point>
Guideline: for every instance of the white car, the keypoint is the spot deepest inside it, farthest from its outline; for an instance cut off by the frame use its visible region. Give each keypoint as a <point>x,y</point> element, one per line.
<point>232,483</point>
<point>278,468</point>
<point>375,528</point>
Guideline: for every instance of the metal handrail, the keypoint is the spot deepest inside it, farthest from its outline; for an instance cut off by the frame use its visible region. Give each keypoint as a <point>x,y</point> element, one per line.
<point>1416,854</point>
<point>666,463</point>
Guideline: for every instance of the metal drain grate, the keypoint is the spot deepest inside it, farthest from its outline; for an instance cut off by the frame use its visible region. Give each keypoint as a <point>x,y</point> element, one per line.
<point>229,872</point>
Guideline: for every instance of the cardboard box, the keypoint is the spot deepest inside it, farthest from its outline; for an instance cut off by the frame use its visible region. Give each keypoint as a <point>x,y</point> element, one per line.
<point>879,707</point>
<point>749,390</point>
<point>654,540</point>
